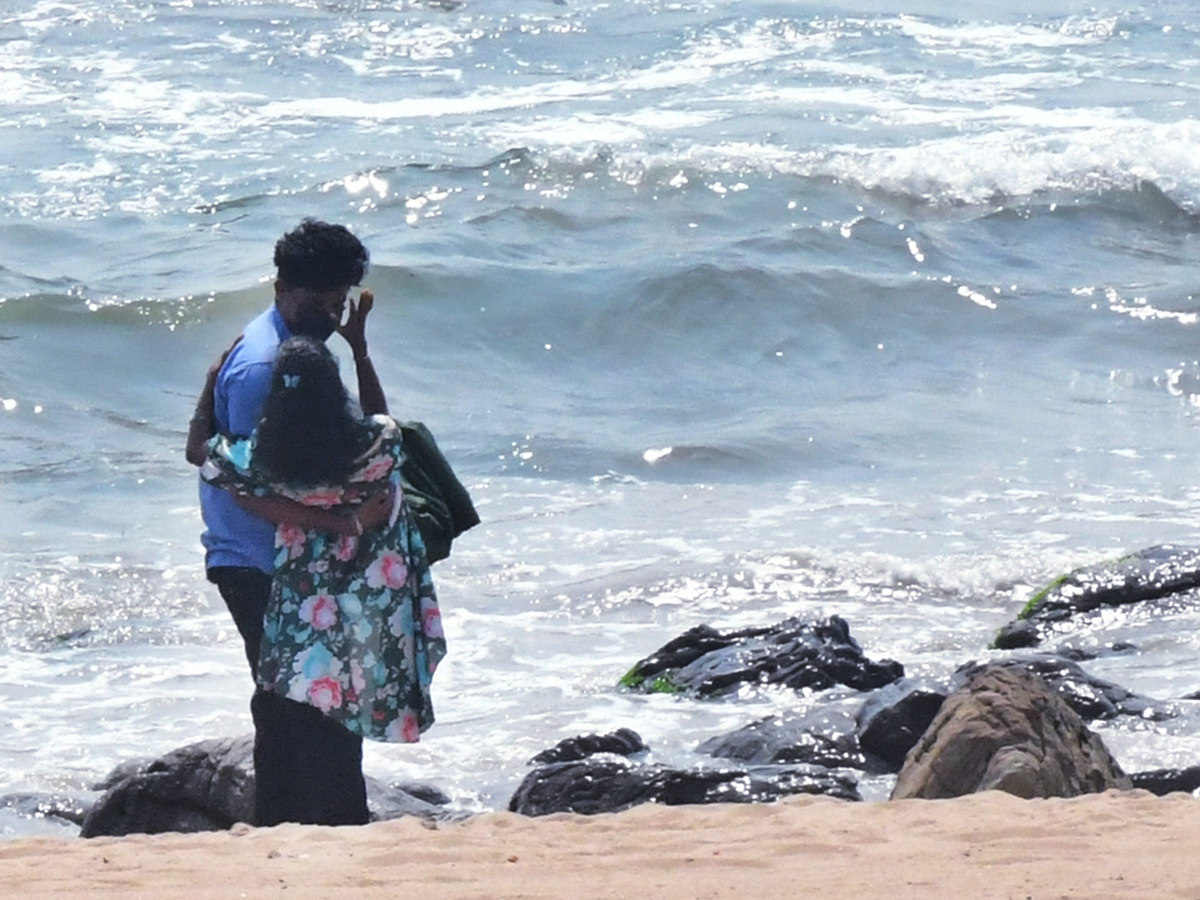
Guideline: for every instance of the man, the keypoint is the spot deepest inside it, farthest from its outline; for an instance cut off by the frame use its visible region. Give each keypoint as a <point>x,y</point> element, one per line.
<point>317,265</point>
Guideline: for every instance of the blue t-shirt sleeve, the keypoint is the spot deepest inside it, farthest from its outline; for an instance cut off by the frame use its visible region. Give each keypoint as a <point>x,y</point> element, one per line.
<point>245,390</point>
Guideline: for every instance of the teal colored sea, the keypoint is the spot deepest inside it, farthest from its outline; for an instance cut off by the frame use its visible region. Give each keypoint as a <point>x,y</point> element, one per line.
<point>723,311</point>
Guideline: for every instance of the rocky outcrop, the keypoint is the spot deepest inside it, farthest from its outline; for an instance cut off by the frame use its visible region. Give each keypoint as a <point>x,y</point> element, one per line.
<point>1168,781</point>
<point>68,809</point>
<point>395,801</point>
<point>622,742</point>
<point>587,775</point>
<point>1156,574</point>
<point>600,785</point>
<point>1093,698</point>
<point>1005,729</point>
<point>824,736</point>
<point>893,718</point>
<point>872,735</point>
<point>794,653</point>
<point>209,786</point>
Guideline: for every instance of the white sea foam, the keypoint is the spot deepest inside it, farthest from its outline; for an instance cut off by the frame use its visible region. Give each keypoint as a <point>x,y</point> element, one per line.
<point>724,311</point>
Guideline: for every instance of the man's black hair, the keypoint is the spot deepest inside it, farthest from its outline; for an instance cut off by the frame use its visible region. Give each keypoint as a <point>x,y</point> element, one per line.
<point>309,434</point>
<point>320,256</point>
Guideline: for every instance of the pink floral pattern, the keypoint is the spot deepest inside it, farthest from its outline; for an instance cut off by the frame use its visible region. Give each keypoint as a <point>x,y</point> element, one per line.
<point>404,729</point>
<point>325,693</point>
<point>353,626</point>
<point>324,498</point>
<point>347,548</point>
<point>376,469</point>
<point>388,570</point>
<point>291,539</point>
<point>319,611</point>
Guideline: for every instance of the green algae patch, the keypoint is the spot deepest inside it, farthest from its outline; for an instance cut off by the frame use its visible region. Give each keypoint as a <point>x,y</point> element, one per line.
<point>661,684</point>
<point>1032,604</point>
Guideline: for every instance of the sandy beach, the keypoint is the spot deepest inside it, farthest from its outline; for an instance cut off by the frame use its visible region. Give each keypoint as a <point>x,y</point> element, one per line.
<point>990,845</point>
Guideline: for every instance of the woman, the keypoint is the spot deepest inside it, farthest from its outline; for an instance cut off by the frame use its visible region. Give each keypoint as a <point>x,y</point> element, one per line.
<point>352,631</point>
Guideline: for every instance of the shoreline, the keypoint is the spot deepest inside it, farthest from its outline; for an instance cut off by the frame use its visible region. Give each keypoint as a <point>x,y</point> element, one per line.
<point>982,846</point>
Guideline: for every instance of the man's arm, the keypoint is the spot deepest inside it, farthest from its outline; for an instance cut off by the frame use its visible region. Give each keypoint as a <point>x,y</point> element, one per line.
<point>370,392</point>
<point>373,511</point>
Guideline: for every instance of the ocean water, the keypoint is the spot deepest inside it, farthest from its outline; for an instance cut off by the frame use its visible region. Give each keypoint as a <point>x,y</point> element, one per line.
<point>724,312</point>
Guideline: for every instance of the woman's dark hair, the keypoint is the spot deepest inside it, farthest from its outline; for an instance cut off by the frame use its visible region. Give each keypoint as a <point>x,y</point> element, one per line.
<point>308,434</point>
<point>320,256</point>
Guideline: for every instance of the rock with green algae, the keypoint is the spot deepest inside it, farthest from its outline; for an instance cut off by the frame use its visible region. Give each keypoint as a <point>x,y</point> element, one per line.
<point>1164,572</point>
<point>794,653</point>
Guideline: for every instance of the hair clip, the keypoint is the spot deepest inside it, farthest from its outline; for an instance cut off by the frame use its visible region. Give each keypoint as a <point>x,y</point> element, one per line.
<point>291,381</point>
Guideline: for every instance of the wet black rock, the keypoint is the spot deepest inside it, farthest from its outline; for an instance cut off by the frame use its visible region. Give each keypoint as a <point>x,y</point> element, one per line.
<point>1158,573</point>
<point>209,786</point>
<point>600,785</point>
<point>395,801</point>
<point>71,810</point>
<point>893,718</point>
<point>1087,654</point>
<point>202,787</point>
<point>1167,781</point>
<point>622,742</point>
<point>825,736</point>
<point>872,735</point>
<point>793,653</point>
<point>426,793</point>
<point>1091,697</point>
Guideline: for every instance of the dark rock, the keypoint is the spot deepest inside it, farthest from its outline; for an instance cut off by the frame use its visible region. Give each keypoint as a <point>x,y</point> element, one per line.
<point>622,742</point>
<point>872,735</point>
<point>202,787</point>
<point>1018,635</point>
<point>48,806</point>
<point>399,800</point>
<point>587,787</point>
<point>893,718</point>
<point>793,653</point>
<point>1152,574</point>
<point>821,737</point>
<point>1005,729</point>
<point>1166,781</point>
<point>596,786</point>
<point>427,793</point>
<point>1093,698</point>
<point>124,770</point>
<point>1085,654</point>
<point>209,786</point>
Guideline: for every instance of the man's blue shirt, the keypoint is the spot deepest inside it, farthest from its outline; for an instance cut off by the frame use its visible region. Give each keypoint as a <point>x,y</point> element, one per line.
<point>232,536</point>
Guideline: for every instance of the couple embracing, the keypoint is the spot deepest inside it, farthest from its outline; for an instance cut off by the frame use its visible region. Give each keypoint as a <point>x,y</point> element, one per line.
<point>311,538</point>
